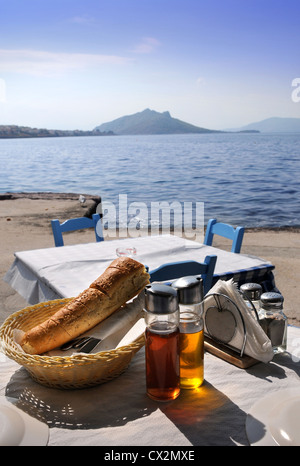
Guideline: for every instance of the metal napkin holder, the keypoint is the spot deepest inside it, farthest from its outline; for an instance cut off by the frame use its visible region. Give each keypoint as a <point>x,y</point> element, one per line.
<point>221,306</point>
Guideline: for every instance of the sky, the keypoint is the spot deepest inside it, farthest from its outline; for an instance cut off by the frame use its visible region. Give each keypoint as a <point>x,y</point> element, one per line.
<point>217,64</point>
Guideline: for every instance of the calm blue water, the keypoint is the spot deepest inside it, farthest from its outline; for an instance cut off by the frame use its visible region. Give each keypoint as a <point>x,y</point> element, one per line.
<point>246,179</point>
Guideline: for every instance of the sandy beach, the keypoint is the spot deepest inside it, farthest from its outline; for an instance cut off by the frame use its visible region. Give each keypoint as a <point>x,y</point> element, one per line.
<point>25,224</point>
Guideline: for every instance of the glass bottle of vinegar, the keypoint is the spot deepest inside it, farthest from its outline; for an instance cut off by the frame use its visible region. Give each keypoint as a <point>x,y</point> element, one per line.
<point>162,342</point>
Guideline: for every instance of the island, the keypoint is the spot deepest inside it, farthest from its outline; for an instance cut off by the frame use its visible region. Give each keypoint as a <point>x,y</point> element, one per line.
<point>147,122</point>
<point>151,122</point>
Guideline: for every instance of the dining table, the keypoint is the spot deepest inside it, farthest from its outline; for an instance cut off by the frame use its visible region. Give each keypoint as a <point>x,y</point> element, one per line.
<point>233,407</point>
<point>40,275</point>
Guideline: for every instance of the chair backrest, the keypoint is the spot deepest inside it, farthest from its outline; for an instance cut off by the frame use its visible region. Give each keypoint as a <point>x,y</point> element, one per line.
<point>225,230</point>
<point>76,224</point>
<point>179,269</point>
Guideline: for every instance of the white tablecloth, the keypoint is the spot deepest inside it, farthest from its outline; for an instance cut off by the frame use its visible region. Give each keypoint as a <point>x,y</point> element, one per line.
<point>63,272</point>
<point>119,413</point>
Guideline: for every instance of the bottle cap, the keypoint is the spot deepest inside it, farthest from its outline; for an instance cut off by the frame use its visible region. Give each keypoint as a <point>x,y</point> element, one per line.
<point>251,291</point>
<point>271,299</point>
<point>161,299</point>
<point>189,289</point>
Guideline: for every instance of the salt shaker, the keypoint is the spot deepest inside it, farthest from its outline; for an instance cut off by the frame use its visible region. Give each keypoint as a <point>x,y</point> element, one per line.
<point>162,342</point>
<point>190,295</point>
<point>273,321</point>
<point>251,293</point>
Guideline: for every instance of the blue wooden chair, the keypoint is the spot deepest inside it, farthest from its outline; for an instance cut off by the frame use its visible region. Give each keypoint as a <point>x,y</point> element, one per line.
<point>225,230</point>
<point>179,269</point>
<point>76,224</point>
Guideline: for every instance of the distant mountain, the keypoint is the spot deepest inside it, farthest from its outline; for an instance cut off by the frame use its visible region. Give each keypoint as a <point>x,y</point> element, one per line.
<point>13,132</point>
<point>273,125</point>
<point>150,122</point>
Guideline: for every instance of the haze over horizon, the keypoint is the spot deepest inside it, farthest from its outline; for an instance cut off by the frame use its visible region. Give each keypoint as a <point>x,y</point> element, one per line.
<point>219,64</point>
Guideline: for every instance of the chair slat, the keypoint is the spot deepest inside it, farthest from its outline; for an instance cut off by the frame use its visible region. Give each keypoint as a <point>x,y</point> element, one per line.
<point>73,224</point>
<point>225,230</point>
<point>179,269</point>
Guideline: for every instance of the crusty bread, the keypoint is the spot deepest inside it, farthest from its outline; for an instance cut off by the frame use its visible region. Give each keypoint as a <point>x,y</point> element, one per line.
<point>120,282</point>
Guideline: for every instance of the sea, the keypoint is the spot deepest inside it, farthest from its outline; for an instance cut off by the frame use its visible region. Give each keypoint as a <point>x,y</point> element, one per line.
<point>248,179</point>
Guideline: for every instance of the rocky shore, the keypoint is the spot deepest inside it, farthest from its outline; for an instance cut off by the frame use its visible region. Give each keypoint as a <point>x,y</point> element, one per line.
<point>13,132</point>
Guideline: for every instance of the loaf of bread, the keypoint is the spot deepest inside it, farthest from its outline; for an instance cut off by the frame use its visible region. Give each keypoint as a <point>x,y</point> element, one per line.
<point>120,282</point>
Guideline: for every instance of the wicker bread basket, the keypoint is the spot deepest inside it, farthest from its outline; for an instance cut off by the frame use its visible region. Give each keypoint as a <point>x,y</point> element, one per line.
<point>68,372</point>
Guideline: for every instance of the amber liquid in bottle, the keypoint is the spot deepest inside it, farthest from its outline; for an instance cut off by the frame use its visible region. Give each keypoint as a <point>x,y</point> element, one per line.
<point>191,344</point>
<point>162,363</point>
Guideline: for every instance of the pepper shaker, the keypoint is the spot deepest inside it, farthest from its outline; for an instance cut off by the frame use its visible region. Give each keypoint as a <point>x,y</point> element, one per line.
<point>273,320</point>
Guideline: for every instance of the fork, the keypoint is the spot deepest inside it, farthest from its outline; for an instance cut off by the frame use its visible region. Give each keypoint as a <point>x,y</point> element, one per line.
<point>82,344</point>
